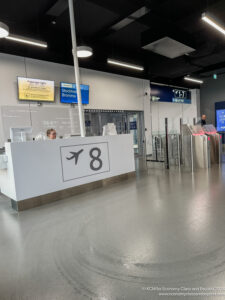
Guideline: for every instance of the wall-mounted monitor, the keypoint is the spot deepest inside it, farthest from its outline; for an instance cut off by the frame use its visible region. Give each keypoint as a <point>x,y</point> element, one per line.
<point>68,93</point>
<point>30,89</point>
<point>220,120</point>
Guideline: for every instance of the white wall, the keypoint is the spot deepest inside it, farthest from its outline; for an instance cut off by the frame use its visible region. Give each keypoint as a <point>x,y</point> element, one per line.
<point>174,111</point>
<point>107,91</point>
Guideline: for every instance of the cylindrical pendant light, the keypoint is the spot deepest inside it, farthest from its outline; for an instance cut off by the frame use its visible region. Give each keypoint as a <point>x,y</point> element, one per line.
<point>84,51</point>
<point>4,30</point>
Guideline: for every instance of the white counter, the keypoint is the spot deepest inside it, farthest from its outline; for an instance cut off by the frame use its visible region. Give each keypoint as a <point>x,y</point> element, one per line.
<point>42,167</point>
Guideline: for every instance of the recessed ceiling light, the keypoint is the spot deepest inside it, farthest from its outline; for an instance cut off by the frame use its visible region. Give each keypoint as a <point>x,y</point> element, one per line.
<point>84,51</point>
<point>21,39</point>
<point>211,22</point>
<point>125,65</point>
<point>193,79</point>
<point>4,30</point>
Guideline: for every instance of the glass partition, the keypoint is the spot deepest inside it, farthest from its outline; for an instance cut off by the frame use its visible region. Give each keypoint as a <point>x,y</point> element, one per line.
<point>125,122</point>
<point>64,120</point>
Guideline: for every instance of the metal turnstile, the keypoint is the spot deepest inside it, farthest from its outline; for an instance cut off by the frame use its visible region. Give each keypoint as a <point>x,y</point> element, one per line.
<point>166,150</point>
<point>195,147</point>
<point>158,148</point>
<point>215,141</point>
<point>174,149</point>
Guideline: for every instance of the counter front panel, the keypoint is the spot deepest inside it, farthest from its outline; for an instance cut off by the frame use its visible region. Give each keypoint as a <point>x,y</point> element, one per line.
<point>42,167</point>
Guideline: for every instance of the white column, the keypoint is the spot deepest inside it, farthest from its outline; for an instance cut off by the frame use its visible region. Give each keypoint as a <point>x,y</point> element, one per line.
<point>76,67</point>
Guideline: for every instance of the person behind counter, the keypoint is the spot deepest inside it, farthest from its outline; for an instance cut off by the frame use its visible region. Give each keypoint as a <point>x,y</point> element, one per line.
<point>51,134</point>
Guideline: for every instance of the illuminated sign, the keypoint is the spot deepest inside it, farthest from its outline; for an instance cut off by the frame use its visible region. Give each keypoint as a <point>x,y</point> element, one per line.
<point>160,93</point>
<point>68,93</point>
<point>220,119</point>
<point>36,89</point>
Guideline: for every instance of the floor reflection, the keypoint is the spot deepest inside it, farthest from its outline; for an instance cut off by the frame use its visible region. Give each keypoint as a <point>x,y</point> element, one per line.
<point>164,228</point>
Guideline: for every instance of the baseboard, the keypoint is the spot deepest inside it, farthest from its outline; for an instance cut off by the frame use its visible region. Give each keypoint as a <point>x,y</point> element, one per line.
<point>60,195</point>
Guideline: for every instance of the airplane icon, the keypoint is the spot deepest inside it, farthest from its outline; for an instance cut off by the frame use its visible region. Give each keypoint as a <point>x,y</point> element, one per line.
<point>75,155</point>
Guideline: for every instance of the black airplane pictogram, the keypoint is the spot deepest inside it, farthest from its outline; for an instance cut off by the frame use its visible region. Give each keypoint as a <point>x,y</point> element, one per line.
<point>75,155</point>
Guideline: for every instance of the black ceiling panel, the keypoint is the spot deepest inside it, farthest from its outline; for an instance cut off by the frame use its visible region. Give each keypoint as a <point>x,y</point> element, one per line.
<point>48,20</point>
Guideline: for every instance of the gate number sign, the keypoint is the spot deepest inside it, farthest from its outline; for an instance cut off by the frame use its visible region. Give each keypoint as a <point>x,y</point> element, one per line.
<point>84,160</point>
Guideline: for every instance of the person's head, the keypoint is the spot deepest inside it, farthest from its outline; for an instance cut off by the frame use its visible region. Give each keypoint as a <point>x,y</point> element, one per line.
<point>203,117</point>
<point>51,134</point>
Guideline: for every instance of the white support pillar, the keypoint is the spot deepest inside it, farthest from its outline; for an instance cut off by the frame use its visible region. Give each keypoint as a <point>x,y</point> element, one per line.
<point>76,67</point>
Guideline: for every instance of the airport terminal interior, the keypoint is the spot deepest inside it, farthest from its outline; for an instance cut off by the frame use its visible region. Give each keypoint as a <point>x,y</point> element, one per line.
<point>112,149</point>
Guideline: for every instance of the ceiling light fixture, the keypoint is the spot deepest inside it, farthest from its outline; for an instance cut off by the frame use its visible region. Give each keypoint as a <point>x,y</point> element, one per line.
<point>27,41</point>
<point>211,22</point>
<point>125,65</point>
<point>84,51</point>
<point>193,79</point>
<point>4,30</point>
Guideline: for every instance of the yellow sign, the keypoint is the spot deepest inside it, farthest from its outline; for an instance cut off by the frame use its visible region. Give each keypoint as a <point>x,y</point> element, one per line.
<point>35,89</point>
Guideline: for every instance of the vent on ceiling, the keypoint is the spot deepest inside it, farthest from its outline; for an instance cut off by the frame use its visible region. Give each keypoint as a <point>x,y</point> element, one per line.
<point>131,18</point>
<point>58,8</point>
<point>168,47</point>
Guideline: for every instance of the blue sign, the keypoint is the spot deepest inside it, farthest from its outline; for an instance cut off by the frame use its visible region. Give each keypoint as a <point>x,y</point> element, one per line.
<point>220,119</point>
<point>160,93</point>
<point>133,125</point>
<point>68,93</point>
<point>88,123</point>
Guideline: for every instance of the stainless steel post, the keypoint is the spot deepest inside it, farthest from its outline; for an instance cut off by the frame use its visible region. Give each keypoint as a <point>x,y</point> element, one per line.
<point>220,147</point>
<point>178,145</point>
<point>181,140</point>
<point>76,67</point>
<point>192,157</point>
<point>167,144</point>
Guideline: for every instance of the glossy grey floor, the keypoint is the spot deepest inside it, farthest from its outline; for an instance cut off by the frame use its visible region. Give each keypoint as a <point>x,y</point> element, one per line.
<point>131,240</point>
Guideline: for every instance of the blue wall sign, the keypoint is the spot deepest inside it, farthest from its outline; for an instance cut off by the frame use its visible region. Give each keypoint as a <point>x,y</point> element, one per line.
<point>161,93</point>
<point>68,93</point>
<point>133,125</point>
<point>88,123</point>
